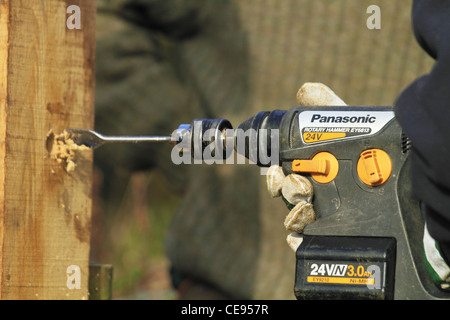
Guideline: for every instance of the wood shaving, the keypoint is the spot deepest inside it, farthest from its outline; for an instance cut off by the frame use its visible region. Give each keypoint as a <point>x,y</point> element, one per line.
<point>63,149</point>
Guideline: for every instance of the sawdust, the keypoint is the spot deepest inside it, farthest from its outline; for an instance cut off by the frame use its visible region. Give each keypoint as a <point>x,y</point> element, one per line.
<point>63,149</point>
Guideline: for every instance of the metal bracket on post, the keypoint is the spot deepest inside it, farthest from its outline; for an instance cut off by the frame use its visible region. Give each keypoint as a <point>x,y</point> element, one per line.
<point>100,281</point>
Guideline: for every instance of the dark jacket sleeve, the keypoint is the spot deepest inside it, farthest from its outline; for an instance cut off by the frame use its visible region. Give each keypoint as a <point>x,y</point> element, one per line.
<point>423,110</point>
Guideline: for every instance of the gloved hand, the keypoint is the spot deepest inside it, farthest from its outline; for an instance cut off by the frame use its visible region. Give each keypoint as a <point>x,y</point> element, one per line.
<point>296,190</point>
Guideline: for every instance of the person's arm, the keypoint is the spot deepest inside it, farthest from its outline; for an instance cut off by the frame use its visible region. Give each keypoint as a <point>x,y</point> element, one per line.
<point>423,110</point>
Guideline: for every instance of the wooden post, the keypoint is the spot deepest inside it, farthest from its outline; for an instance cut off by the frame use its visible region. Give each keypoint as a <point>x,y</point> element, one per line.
<point>46,85</point>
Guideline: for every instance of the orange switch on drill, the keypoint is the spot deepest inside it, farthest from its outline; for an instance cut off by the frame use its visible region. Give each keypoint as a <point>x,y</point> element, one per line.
<point>323,167</point>
<point>374,167</point>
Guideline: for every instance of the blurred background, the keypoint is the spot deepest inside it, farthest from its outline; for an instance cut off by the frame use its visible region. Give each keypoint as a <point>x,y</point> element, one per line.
<point>193,231</point>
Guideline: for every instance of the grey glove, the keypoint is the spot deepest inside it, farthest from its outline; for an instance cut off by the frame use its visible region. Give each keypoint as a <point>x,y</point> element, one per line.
<point>296,190</point>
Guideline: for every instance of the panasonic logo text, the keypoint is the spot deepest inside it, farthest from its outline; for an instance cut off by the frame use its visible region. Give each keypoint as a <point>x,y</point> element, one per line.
<point>345,119</point>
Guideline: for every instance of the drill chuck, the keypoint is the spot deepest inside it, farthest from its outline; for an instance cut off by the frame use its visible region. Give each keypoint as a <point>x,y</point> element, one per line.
<point>203,135</point>
<point>259,136</point>
<point>215,139</point>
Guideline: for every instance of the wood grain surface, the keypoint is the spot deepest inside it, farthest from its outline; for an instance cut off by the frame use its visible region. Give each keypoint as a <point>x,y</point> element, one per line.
<point>46,85</point>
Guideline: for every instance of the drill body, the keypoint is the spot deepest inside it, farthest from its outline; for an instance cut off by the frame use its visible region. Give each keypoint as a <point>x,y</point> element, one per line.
<point>366,242</point>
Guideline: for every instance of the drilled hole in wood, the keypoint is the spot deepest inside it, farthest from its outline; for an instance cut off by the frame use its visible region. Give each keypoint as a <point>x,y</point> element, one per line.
<point>61,148</point>
<point>50,141</point>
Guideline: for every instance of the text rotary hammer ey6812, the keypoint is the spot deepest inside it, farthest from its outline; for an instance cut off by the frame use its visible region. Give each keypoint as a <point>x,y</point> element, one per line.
<point>366,242</point>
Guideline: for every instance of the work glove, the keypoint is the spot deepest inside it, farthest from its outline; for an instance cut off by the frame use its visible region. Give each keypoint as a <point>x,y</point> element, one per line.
<point>436,254</point>
<point>435,263</point>
<point>296,190</point>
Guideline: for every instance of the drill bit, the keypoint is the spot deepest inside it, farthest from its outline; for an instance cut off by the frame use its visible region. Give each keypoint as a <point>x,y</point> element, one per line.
<point>94,139</point>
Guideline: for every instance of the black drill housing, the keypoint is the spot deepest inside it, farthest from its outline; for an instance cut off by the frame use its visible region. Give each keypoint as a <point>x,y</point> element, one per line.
<point>347,208</point>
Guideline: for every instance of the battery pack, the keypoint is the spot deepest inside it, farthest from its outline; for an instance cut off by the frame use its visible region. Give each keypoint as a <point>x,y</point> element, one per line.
<point>351,268</point>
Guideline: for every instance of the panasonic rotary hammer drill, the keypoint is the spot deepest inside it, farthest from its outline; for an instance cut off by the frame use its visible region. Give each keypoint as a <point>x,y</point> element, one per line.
<point>366,242</point>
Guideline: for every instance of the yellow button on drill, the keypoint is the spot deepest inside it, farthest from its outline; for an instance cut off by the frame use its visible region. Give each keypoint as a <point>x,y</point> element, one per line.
<point>323,167</point>
<point>374,167</point>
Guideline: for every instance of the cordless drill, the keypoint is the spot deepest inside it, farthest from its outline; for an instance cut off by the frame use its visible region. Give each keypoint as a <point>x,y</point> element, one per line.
<point>366,242</point>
